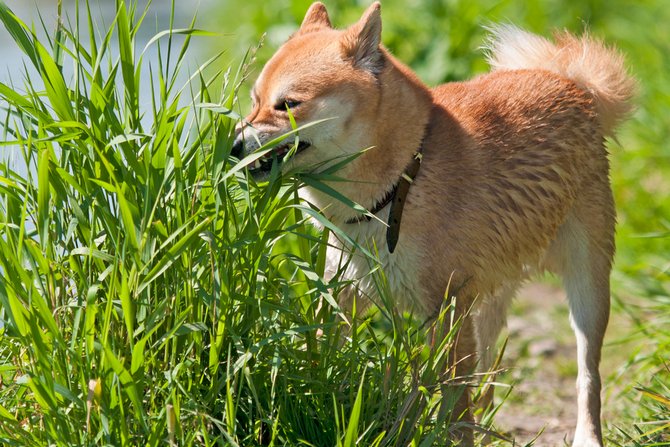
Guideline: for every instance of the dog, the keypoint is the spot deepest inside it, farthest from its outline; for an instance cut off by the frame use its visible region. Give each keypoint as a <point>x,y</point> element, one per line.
<point>482,183</point>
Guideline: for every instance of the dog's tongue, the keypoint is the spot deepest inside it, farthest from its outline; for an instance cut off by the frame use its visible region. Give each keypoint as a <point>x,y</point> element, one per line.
<point>282,149</point>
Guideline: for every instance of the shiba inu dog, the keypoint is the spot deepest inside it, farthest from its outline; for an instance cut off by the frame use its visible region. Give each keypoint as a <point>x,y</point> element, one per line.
<point>494,179</point>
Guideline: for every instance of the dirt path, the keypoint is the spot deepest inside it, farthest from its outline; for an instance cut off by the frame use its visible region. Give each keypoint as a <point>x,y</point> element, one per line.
<point>542,368</point>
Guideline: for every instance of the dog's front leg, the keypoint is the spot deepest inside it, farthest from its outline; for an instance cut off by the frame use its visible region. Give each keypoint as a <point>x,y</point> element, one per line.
<point>461,364</point>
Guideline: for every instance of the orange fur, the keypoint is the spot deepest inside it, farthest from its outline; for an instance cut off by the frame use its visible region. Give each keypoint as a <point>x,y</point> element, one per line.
<point>514,176</point>
<point>585,60</point>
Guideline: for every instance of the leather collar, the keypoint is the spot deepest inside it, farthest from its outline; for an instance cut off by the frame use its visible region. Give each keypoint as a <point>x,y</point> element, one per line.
<point>396,197</point>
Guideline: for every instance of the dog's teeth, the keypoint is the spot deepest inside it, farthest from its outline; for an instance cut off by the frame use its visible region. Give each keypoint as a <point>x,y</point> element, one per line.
<point>257,164</point>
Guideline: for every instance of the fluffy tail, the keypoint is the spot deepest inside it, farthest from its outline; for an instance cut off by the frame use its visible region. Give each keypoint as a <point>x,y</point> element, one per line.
<point>585,60</point>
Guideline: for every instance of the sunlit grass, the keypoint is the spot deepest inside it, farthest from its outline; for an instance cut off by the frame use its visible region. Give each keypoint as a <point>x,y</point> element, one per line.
<point>148,295</point>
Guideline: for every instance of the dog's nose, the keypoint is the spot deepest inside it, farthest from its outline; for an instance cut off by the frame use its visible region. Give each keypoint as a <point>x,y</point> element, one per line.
<point>238,146</point>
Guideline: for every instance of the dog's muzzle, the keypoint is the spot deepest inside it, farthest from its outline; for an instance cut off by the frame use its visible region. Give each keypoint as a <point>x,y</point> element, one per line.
<point>264,164</point>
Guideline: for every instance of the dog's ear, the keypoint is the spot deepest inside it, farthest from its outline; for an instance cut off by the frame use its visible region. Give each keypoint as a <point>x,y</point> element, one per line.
<point>315,19</point>
<point>361,41</point>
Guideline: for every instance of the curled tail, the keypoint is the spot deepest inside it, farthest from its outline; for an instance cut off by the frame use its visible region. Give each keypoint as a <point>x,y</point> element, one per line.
<point>585,60</point>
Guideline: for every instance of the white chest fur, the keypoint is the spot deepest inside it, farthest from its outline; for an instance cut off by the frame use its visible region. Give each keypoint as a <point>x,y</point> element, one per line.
<point>398,275</point>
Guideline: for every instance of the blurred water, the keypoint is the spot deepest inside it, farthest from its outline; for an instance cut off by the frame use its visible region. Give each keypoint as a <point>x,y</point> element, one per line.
<point>14,63</point>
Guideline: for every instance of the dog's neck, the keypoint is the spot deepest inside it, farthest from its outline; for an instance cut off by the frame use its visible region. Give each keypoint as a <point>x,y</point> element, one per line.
<point>395,135</point>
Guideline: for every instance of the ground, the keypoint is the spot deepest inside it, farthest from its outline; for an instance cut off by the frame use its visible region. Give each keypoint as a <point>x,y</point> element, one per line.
<point>541,368</point>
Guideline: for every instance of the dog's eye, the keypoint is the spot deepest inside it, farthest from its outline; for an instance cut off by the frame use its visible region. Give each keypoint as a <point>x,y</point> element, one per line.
<point>290,103</point>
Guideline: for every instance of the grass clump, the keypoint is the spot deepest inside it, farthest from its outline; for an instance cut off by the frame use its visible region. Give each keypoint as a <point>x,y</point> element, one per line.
<point>153,294</point>
<point>646,373</point>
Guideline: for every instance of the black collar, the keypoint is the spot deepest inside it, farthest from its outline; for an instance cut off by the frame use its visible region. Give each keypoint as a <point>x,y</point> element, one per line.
<point>396,197</point>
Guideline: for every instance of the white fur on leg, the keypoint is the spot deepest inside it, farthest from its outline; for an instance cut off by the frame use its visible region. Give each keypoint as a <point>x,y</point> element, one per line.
<point>587,433</point>
<point>588,297</point>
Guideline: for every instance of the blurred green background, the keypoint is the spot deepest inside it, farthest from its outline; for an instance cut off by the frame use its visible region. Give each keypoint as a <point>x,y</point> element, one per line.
<point>441,40</point>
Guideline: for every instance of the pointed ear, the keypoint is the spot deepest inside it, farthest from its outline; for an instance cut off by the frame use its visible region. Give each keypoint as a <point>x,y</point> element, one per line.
<point>315,19</point>
<point>362,40</point>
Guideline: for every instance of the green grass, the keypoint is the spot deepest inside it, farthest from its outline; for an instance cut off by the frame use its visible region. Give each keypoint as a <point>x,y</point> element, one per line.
<point>152,294</point>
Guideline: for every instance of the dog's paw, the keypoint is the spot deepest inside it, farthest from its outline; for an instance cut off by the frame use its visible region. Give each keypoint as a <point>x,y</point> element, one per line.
<point>587,439</point>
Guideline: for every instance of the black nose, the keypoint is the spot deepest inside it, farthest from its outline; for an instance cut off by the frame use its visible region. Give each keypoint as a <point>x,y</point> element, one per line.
<point>238,147</point>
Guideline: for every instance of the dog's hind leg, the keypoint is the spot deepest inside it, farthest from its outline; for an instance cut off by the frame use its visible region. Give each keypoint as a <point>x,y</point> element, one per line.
<point>582,255</point>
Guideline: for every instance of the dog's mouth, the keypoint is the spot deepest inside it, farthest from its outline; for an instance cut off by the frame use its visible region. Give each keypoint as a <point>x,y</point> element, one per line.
<point>264,164</point>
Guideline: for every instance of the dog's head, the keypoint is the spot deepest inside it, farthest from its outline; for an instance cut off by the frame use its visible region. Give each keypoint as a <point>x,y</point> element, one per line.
<point>319,73</point>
